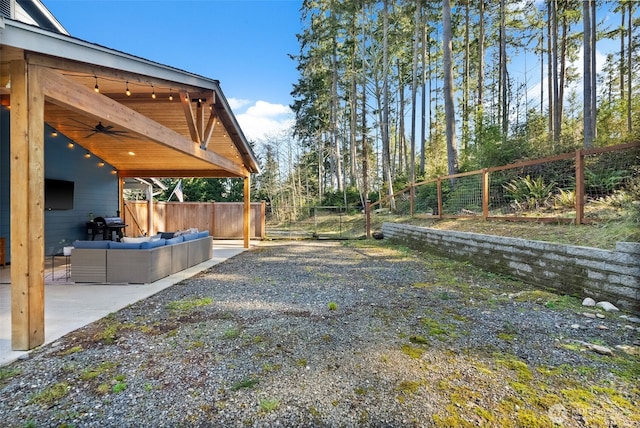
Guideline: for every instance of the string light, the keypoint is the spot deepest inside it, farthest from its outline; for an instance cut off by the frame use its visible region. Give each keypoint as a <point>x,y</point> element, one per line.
<point>70,145</point>
<point>127,91</point>
<point>100,164</point>
<point>96,88</point>
<point>170,95</point>
<point>54,133</point>
<point>153,92</point>
<point>87,155</point>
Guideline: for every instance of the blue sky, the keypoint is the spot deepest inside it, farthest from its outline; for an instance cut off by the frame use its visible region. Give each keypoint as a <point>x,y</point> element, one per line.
<point>242,43</point>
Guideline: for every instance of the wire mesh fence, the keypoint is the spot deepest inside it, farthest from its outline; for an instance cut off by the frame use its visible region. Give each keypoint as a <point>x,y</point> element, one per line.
<point>581,187</point>
<point>585,186</point>
<point>321,222</point>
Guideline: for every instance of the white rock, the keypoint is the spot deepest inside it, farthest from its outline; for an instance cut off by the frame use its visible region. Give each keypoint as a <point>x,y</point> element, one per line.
<point>602,350</point>
<point>607,306</point>
<point>589,314</point>
<point>588,302</point>
<point>557,413</point>
<point>575,326</point>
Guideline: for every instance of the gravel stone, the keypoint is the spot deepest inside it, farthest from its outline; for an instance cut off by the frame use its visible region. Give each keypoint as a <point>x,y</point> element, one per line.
<point>414,340</point>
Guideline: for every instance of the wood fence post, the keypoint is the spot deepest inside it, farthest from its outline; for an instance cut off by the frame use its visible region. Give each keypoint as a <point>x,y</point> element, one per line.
<point>263,220</point>
<point>439,198</point>
<point>579,187</point>
<point>412,199</point>
<point>367,214</point>
<point>485,194</point>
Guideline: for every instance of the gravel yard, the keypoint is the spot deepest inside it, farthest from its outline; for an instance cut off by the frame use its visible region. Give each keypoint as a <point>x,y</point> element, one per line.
<point>326,334</point>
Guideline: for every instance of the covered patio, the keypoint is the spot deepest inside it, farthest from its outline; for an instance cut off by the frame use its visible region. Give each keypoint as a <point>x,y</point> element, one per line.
<point>142,118</point>
<point>69,306</point>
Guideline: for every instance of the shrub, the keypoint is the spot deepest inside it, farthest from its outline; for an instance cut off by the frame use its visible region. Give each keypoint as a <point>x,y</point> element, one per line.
<point>565,198</point>
<point>605,181</point>
<point>529,193</point>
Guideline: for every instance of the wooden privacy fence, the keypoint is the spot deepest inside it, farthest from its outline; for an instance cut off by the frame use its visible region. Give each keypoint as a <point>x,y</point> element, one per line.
<point>223,220</point>
<point>564,188</point>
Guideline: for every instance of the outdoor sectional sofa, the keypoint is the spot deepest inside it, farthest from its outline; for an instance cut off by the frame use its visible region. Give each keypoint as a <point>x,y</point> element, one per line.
<point>138,262</point>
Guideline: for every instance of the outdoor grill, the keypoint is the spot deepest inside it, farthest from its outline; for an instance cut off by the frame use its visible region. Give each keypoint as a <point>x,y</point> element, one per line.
<point>109,227</point>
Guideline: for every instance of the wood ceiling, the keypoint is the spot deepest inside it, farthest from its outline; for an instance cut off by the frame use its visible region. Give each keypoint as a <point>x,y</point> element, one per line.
<point>162,129</point>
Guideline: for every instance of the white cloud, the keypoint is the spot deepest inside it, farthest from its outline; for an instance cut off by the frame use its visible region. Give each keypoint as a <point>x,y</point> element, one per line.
<point>601,58</point>
<point>237,103</point>
<point>262,119</point>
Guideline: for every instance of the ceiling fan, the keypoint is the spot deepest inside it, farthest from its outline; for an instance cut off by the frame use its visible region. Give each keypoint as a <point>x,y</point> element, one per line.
<point>100,129</point>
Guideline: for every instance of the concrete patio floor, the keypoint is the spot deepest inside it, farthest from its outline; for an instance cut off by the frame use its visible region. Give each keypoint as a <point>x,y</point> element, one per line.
<point>69,306</point>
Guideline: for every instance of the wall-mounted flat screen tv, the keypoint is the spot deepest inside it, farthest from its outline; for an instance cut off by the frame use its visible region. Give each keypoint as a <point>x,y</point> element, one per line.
<point>58,194</point>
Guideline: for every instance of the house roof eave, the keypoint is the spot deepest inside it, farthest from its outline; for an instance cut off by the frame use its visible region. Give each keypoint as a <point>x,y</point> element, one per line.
<point>30,38</point>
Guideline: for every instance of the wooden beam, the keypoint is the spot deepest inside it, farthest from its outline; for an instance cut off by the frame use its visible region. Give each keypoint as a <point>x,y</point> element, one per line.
<point>27,206</point>
<point>68,94</point>
<point>247,210</point>
<point>208,132</point>
<point>110,73</point>
<point>200,109</point>
<point>185,100</point>
<point>175,173</point>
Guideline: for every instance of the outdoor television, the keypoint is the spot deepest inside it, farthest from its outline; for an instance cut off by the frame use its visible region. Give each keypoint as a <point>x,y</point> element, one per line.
<point>58,194</point>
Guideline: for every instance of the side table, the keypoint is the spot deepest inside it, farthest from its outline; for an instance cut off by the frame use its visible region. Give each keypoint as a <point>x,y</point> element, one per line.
<point>67,265</point>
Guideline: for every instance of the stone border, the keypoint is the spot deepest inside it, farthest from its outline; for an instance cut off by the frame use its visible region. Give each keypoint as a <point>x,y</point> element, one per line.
<point>581,271</point>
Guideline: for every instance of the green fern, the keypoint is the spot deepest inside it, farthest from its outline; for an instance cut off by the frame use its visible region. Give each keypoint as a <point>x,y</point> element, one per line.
<point>529,193</point>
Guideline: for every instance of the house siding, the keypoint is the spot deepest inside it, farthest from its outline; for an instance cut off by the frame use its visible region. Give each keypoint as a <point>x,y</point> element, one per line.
<point>95,189</point>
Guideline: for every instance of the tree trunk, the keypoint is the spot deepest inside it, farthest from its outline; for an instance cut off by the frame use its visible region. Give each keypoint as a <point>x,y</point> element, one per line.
<point>480,118</point>
<point>386,152</point>
<point>629,66</point>
<point>365,143</point>
<point>423,122</point>
<point>336,152</point>
<point>353,106</point>
<point>503,104</point>
<point>587,42</point>
<point>550,68</point>
<point>542,71</point>
<point>465,95</point>
<point>414,92</point>
<point>554,67</point>
<point>594,95</point>
<point>622,56</point>
<point>452,161</point>
<point>561,78</point>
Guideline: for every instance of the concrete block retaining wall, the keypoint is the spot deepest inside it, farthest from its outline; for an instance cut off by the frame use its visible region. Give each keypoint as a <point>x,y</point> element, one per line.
<point>613,276</point>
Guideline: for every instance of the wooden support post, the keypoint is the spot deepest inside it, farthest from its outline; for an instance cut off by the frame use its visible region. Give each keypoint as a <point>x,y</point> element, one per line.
<point>412,199</point>
<point>440,205</point>
<point>247,210</point>
<point>579,187</point>
<point>263,220</point>
<point>485,194</point>
<point>367,213</point>
<point>150,229</point>
<point>27,206</point>
<point>120,198</point>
